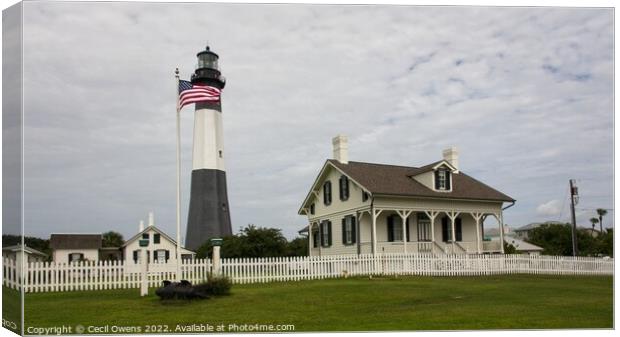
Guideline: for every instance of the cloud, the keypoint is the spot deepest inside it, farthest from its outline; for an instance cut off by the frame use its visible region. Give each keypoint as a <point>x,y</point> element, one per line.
<point>550,208</point>
<point>525,93</point>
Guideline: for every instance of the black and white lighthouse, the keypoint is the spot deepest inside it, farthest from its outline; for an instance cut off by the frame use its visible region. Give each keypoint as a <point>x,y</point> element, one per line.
<point>209,215</point>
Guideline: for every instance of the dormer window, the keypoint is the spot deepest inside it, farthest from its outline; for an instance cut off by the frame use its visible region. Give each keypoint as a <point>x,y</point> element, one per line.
<point>442,180</point>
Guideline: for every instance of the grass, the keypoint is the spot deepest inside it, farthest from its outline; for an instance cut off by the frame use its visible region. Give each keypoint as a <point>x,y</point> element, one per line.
<point>354,304</point>
<point>11,305</point>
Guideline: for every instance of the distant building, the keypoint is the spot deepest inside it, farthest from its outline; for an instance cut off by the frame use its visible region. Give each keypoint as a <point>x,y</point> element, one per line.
<point>30,254</point>
<point>495,231</point>
<point>68,248</point>
<point>161,248</point>
<point>521,246</point>
<point>523,232</point>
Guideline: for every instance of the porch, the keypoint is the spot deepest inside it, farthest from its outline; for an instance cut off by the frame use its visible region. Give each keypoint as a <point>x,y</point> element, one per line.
<point>383,230</point>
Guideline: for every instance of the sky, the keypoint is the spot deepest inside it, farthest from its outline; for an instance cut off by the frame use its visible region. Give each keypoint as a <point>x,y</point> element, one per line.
<point>526,94</point>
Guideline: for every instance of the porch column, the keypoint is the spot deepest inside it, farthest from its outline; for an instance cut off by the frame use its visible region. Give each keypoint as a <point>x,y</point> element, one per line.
<point>318,224</point>
<point>310,239</point>
<point>374,231</point>
<point>358,231</point>
<point>432,215</point>
<point>501,230</point>
<point>452,215</point>
<point>403,216</point>
<point>477,216</point>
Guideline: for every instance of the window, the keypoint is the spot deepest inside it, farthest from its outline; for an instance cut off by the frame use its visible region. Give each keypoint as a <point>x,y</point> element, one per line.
<point>315,239</point>
<point>364,195</point>
<point>446,229</point>
<point>145,236</point>
<point>395,228</point>
<point>326,233</point>
<point>424,227</point>
<point>156,238</point>
<point>327,193</point>
<point>160,256</point>
<point>442,180</point>
<point>344,188</point>
<point>348,230</point>
<point>74,257</point>
<point>312,209</point>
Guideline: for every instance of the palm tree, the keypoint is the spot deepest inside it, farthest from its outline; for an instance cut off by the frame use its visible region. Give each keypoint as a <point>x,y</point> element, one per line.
<point>601,213</point>
<point>594,221</point>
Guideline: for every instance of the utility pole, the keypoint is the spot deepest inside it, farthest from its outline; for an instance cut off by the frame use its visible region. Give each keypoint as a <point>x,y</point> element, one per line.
<point>574,199</point>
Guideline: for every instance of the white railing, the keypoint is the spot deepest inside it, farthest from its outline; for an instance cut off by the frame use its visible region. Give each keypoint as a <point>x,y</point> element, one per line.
<point>47,277</point>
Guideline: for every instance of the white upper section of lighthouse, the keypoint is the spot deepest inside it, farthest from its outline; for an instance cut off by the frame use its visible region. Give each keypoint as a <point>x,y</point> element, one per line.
<point>208,152</point>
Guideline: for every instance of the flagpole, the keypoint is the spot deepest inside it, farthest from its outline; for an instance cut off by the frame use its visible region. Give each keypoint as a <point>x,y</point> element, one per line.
<point>178,248</point>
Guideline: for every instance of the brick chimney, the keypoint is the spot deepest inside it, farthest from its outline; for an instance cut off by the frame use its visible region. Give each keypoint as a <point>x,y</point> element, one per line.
<point>451,155</point>
<point>341,148</point>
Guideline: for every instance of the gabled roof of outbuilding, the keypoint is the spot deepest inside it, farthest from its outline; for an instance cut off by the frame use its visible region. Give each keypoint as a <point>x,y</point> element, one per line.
<point>398,181</point>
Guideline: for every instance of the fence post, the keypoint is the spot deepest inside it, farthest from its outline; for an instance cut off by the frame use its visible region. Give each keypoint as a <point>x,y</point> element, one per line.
<point>217,262</point>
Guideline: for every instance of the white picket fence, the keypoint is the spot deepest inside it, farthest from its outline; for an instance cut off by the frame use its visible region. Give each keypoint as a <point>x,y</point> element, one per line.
<point>46,276</point>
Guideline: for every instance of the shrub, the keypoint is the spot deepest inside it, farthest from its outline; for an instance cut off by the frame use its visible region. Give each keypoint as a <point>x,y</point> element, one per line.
<point>216,285</point>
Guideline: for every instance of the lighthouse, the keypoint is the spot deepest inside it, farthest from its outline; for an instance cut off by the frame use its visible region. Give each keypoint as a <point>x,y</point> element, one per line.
<point>209,215</point>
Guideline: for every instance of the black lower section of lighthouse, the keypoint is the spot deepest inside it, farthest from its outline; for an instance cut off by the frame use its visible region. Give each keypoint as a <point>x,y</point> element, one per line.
<point>209,215</point>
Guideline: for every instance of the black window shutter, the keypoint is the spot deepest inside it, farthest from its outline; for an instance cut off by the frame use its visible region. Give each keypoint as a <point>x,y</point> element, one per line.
<point>444,229</point>
<point>154,255</point>
<point>325,194</point>
<point>321,234</point>
<point>407,229</point>
<point>329,231</point>
<point>346,188</point>
<point>448,178</point>
<point>458,229</point>
<point>353,229</point>
<point>315,237</point>
<point>344,231</point>
<point>341,188</point>
<point>167,255</point>
<point>390,228</point>
<point>329,192</point>
<point>135,256</point>
<point>436,180</point>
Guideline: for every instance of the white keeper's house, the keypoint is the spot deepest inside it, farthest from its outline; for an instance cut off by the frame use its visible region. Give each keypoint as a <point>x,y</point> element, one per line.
<point>361,208</point>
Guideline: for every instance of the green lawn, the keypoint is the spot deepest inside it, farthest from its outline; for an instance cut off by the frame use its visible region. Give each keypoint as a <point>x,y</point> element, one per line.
<point>354,304</point>
<point>11,304</point>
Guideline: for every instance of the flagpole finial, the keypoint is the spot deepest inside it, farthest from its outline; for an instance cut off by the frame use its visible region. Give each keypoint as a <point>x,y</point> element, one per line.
<point>176,71</point>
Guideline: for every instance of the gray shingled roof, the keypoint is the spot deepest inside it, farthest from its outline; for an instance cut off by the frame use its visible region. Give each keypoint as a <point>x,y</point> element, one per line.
<point>76,241</point>
<point>397,180</point>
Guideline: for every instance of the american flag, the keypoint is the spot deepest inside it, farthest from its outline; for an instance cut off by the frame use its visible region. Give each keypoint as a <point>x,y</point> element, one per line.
<point>190,93</point>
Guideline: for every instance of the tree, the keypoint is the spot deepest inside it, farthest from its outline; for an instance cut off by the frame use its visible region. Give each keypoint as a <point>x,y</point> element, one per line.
<point>601,213</point>
<point>251,241</point>
<point>555,239</point>
<point>297,247</point>
<point>594,221</point>
<point>509,249</point>
<point>112,239</point>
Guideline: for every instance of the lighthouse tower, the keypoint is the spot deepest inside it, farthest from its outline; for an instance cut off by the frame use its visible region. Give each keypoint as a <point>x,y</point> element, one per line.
<point>209,215</point>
